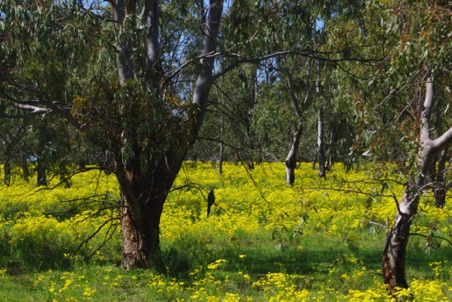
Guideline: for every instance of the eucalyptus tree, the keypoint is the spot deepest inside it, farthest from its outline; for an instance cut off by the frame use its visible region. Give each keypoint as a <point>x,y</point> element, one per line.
<point>59,59</point>
<point>397,102</point>
<point>424,33</point>
<point>134,79</point>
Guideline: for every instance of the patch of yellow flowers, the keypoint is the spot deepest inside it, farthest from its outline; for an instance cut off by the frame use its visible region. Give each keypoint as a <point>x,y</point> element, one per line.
<point>243,207</point>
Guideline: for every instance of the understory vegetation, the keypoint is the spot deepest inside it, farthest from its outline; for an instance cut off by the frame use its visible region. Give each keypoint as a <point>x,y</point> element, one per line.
<point>318,240</point>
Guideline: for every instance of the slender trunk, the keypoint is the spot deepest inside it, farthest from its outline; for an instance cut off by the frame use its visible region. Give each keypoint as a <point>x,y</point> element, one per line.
<point>25,169</point>
<point>320,145</point>
<point>440,185</point>
<point>251,86</point>
<point>394,253</point>
<point>41,179</point>
<point>124,55</point>
<point>7,168</point>
<point>291,159</point>
<point>221,155</point>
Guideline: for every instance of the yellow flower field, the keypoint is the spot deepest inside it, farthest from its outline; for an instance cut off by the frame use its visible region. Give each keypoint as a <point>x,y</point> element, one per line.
<point>320,240</point>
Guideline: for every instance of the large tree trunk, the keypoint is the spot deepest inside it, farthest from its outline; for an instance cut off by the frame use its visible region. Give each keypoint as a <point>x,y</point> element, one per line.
<point>140,239</point>
<point>291,159</point>
<point>141,231</point>
<point>143,194</point>
<point>394,254</point>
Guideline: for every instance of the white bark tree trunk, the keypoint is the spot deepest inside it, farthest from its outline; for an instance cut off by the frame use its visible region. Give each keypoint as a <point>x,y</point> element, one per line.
<point>320,144</point>
<point>291,159</point>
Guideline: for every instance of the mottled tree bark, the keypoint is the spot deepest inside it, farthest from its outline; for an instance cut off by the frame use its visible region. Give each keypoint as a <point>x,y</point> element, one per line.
<point>142,200</point>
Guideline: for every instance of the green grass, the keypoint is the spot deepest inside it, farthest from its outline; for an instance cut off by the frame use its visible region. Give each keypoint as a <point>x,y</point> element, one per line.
<point>326,267</point>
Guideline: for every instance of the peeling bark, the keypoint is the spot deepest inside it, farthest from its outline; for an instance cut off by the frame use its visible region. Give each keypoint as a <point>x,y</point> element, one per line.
<point>140,235</point>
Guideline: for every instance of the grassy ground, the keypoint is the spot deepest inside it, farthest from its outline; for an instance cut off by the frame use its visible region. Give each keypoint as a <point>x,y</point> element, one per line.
<point>320,240</point>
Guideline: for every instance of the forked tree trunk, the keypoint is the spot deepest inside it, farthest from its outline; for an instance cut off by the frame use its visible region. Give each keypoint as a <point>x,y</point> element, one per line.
<point>291,159</point>
<point>394,254</point>
<point>148,171</point>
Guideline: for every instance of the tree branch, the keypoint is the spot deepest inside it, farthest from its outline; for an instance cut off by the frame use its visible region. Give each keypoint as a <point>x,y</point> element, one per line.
<point>32,109</point>
<point>443,142</point>
<point>425,116</point>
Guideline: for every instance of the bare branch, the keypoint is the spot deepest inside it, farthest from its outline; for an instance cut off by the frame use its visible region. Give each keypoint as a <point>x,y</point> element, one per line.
<point>32,109</point>
<point>432,236</point>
